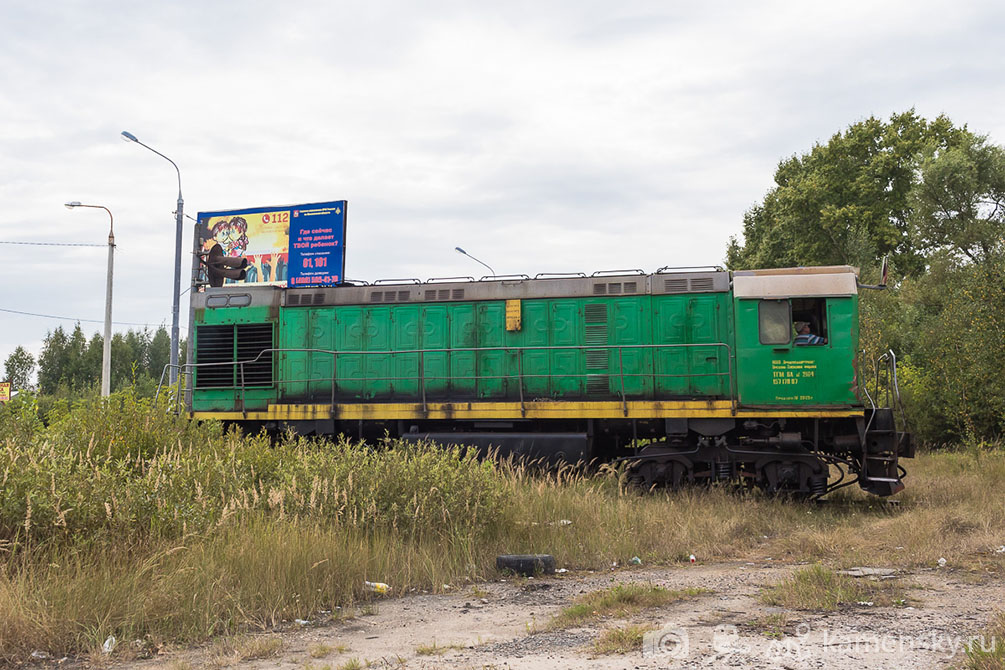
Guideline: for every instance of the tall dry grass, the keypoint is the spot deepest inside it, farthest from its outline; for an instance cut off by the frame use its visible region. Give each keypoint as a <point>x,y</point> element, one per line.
<point>118,518</point>
<point>987,652</point>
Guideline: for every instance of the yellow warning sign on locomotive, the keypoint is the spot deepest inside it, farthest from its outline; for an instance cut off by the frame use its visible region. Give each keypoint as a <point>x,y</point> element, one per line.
<point>513,315</point>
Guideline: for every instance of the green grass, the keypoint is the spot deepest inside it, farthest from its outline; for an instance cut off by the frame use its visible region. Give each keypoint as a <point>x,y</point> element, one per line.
<point>621,600</point>
<point>988,652</point>
<point>321,650</point>
<point>435,649</point>
<point>770,625</point>
<point>819,588</point>
<point>620,640</point>
<point>120,519</point>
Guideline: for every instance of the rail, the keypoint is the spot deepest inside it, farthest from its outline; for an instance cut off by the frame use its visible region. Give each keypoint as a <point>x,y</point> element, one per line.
<point>423,380</point>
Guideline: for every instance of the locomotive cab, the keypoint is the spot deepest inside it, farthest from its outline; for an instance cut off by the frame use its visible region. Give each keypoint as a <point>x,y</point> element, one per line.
<point>776,371</point>
<point>773,368</point>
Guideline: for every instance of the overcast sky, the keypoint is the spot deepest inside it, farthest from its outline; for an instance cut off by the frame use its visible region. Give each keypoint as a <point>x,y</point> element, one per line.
<point>564,136</point>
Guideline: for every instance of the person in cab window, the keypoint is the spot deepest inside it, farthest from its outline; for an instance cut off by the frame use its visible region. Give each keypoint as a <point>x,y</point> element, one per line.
<point>805,337</point>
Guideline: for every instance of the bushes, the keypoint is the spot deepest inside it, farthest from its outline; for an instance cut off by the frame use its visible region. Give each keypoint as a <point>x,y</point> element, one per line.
<point>122,518</point>
<point>19,418</point>
<point>946,328</point>
<point>124,469</point>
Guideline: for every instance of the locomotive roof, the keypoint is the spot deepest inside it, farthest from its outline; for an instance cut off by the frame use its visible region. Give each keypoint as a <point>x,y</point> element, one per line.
<point>771,283</point>
<point>832,280</point>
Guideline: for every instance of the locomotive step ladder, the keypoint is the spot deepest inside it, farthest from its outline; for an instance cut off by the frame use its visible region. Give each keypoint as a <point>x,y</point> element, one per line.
<point>879,451</point>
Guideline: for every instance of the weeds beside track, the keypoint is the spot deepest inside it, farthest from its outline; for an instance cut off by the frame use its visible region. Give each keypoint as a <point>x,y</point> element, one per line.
<point>119,518</point>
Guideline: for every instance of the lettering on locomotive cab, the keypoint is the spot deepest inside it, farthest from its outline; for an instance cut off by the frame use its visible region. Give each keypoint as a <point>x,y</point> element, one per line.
<point>788,373</point>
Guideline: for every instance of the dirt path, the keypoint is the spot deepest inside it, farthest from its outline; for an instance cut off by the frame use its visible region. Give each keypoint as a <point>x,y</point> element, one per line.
<point>497,627</point>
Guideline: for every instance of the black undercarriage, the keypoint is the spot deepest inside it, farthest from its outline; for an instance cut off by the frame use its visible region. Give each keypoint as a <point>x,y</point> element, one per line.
<point>804,457</point>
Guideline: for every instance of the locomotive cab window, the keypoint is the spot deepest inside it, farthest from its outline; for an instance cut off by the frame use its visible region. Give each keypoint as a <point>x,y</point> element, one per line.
<point>775,322</point>
<point>809,321</point>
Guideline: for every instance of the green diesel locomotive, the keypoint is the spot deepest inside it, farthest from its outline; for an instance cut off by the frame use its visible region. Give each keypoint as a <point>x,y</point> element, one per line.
<point>700,365</point>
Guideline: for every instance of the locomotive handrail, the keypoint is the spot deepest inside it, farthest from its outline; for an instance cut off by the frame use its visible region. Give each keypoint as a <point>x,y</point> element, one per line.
<point>510,277</point>
<point>885,380</point>
<point>405,280</point>
<point>887,365</point>
<point>892,387</point>
<point>442,280</point>
<point>615,273</point>
<point>865,381</point>
<point>358,352</point>
<point>560,275</point>
<point>422,378</point>
<point>669,269</point>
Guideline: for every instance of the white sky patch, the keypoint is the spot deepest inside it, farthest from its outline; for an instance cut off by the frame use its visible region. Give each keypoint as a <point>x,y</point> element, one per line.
<point>565,136</point>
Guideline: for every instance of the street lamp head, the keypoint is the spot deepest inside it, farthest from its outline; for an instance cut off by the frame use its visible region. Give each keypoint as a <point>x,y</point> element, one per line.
<point>128,136</point>
<point>72,204</point>
<point>476,260</point>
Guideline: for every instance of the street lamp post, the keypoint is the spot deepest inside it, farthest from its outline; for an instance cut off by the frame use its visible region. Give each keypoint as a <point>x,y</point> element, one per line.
<point>179,218</point>
<point>461,251</point>
<point>106,349</point>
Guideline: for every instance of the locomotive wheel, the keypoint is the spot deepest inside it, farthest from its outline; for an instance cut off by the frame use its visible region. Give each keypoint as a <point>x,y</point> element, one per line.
<point>657,466</point>
<point>642,475</point>
<point>799,478</point>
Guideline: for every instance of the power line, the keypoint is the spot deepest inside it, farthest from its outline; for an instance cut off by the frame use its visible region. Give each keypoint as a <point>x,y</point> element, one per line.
<point>70,318</point>
<point>54,244</point>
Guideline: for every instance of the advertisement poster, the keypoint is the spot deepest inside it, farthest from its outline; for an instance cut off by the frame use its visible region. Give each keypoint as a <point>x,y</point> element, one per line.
<point>4,391</point>
<point>317,244</point>
<point>294,245</point>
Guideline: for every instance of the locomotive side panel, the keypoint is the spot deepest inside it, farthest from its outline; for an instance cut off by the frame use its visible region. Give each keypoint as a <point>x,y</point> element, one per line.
<point>639,347</point>
<point>628,328</point>
<point>683,321</point>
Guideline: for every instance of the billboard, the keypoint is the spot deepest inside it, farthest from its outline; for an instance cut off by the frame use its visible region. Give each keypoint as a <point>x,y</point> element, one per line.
<point>4,391</point>
<point>291,245</point>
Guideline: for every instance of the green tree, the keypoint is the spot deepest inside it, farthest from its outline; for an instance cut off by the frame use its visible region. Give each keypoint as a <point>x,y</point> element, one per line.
<point>129,354</point>
<point>159,353</point>
<point>19,368</point>
<point>956,363</point>
<point>82,370</point>
<point>54,361</point>
<point>847,201</point>
<point>90,364</point>
<point>70,364</point>
<point>959,201</point>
